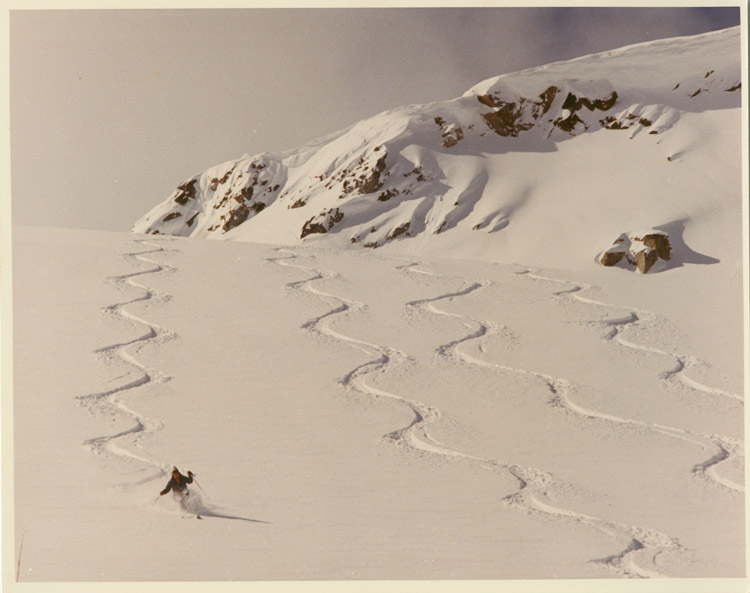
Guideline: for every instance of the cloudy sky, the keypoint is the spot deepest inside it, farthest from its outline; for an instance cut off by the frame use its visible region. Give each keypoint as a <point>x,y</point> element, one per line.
<point>111,109</point>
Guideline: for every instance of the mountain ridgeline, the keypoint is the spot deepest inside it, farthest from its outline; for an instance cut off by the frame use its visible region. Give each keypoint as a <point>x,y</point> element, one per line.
<point>480,165</point>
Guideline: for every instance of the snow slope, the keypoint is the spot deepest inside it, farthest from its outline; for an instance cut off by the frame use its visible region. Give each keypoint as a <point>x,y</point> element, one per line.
<point>357,415</point>
<point>549,165</point>
<point>471,396</point>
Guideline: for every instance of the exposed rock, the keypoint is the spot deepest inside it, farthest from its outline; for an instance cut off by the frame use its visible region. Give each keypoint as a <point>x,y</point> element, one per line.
<point>548,97</point>
<point>398,231</point>
<point>191,220</point>
<point>236,218</point>
<point>625,120</point>
<point>574,103</point>
<point>172,216</point>
<point>486,100</point>
<point>216,182</point>
<point>611,258</point>
<point>311,227</point>
<point>453,137</point>
<point>659,242</point>
<point>185,192</point>
<point>387,195</point>
<point>322,223</point>
<point>452,134</point>
<point>644,259</point>
<point>510,118</point>
<point>504,120</point>
<point>569,123</point>
<point>247,193</point>
<point>612,123</point>
<point>372,183</point>
<point>638,250</point>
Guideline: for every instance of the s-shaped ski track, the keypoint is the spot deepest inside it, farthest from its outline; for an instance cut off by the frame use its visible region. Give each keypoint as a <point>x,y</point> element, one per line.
<point>532,495</point>
<point>719,448</point>
<point>413,436</point>
<point>532,483</point>
<point>109,401</point>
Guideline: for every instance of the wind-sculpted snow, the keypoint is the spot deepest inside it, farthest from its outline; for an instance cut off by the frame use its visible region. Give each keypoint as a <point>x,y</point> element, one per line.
<point>109,402</point>
<point>453,174</point>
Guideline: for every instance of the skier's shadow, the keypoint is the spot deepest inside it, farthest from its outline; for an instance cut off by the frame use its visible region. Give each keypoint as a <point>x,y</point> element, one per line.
<point>196,505</point>
<point>236,518</point>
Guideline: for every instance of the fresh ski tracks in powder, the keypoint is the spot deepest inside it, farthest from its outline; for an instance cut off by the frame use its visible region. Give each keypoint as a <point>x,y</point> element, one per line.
<point>642,545</point>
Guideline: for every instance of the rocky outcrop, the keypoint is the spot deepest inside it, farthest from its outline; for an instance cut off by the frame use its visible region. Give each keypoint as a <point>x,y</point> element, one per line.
<point>452,133</point>
<point>236,217</point>
<point>399,230</point>
<point>185,192</point>
<point>570,118</point>
<point>660,243</point>
<point>638,250</point>
<point>611,257</point>
<point>510,117</point>
<point>322,223</point>
<point>372,182</point>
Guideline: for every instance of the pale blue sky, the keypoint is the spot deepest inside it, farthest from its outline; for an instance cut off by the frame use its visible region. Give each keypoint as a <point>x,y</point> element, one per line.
<point>110,110</point>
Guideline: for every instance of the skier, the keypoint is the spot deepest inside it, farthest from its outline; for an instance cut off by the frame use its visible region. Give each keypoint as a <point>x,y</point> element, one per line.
<point>179,483</point>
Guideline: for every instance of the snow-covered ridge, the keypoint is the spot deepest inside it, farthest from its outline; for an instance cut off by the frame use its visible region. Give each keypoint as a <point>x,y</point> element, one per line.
<point>656,66</point>
<point>458,172</point>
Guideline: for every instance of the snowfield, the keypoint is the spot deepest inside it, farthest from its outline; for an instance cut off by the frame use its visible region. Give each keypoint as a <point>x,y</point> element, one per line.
<point>355,415</point>
<point>405,360</point>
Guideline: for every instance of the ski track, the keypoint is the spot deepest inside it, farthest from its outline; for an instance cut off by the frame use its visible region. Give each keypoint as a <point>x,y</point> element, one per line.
<point>532,493</point>
<point>634,316</point>
<point>532,483</point>
<point>720,448</point>
<point>107,401</point>
<point>413,436</point>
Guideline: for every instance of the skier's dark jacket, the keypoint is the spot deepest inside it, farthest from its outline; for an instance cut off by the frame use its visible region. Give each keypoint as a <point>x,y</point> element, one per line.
<point>178,484</point>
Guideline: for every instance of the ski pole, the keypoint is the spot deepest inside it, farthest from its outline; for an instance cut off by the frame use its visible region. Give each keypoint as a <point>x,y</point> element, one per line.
<point>199,486</point>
